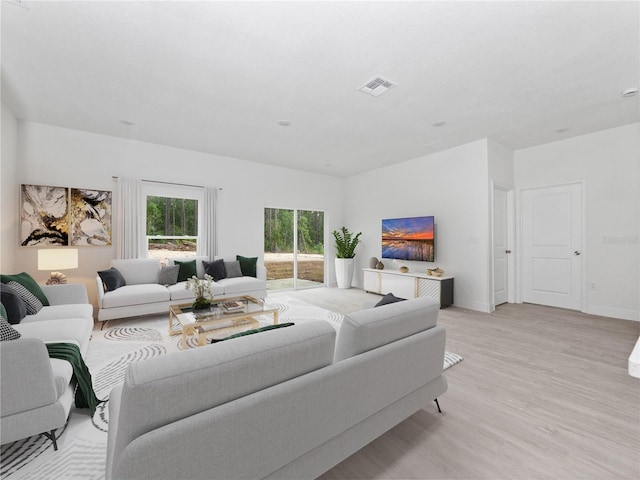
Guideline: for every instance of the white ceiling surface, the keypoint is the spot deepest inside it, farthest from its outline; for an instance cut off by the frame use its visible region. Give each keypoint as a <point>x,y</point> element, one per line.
<point>216,77</point>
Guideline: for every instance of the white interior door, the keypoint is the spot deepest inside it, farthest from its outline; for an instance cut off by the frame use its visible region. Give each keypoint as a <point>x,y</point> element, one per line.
<point>551,246</point>
<point>500,247</point>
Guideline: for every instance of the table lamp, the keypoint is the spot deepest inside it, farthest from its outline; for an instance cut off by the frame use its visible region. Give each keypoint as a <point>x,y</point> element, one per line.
<point>55,259</point>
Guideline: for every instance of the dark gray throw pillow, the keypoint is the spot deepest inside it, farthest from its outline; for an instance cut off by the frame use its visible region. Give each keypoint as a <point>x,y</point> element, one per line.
<point>112,279</point>
<point>388,299</point>
<point>216,269</point>
<point>13,304</point>
<point>233,269</point>
<point>169,275</point>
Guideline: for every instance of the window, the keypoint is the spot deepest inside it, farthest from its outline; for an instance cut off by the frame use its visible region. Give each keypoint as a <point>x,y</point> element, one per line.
<point>173,219</point>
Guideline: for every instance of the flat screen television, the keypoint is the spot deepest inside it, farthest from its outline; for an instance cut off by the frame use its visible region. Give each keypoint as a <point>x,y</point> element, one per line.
<point>408,239</point>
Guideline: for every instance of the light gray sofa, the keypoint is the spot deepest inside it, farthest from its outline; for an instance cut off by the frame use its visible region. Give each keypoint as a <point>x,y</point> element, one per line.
<point>36,392</point>
<point>285,404</point>
<point>143,295</point>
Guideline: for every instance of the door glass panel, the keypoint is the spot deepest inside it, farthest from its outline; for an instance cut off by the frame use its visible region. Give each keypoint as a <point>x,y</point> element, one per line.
<point>310,251</point>
<point>278,248</point>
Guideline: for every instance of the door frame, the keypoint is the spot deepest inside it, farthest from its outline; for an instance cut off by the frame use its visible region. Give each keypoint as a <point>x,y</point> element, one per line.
<point>511,264</point>
<point>520,241</point>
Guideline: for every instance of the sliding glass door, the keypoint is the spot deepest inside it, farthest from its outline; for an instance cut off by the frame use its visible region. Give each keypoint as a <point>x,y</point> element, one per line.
<point>293,248</point>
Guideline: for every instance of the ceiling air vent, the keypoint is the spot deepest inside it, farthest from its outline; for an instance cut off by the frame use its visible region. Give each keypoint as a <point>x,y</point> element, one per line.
<point>377,86</point>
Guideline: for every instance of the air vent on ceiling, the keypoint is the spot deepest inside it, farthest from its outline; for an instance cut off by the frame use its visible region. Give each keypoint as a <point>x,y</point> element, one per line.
<point>377,86</point>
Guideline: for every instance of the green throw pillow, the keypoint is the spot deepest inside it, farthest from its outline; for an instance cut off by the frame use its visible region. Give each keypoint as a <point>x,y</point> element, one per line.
<point>3,311</point>
<point>251,332</point>
<point>27,282</point>
<point>187,270</point>
<point>248,265</point>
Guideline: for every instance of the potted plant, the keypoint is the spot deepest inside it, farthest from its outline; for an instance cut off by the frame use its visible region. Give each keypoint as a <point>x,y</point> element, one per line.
<point>202,290</point>
<point>346,244</point>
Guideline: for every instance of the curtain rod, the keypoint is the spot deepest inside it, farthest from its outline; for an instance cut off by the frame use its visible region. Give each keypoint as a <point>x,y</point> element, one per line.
<point>168,183</point>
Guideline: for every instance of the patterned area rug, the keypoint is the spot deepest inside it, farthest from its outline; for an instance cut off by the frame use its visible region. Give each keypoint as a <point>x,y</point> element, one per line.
<point>82,442</point>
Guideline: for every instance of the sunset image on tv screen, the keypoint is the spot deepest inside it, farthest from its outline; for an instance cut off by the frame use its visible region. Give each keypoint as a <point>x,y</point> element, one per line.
<point>408,239</point>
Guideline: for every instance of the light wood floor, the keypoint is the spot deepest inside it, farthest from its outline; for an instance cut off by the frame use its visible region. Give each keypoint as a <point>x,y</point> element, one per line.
<point>541,393</point>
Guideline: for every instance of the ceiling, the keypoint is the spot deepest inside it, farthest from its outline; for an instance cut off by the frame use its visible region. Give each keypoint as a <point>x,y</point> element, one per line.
<point>217,77</point>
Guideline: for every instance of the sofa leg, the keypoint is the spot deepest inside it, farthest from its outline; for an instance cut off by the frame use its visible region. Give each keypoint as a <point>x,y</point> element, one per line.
<point>52,436</point>
<point>438,405</point>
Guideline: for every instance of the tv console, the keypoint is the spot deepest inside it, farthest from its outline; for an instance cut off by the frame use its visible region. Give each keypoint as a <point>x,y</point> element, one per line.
<point>408,285</point>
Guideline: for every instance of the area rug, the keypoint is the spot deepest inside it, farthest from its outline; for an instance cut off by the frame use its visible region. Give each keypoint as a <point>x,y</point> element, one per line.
<point>82,442</point>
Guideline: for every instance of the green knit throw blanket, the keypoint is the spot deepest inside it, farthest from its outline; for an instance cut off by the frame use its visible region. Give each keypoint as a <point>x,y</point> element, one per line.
<point>85,396</point>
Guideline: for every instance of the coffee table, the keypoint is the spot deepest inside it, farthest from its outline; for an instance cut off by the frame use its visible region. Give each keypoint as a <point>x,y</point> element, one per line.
<point>216,319</point>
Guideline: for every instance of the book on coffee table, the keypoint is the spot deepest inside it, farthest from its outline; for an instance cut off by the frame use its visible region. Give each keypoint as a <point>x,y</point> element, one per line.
<point>232,306</point>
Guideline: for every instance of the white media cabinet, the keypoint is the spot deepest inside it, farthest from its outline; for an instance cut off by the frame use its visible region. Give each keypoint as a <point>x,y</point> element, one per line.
<point>408,285</point>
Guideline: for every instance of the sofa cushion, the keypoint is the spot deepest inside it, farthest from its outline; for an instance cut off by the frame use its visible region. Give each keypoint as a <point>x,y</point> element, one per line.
<point>60,312</point>
<point>13,303</point>
<point>112,279</point>
<point>71,330</point>
<point>169,275</point>
<point>30,300</point>
<point>187,269</point>
<point>233,269</point>
<point>136,295</point>
<point>368,329</point>
<point>248,265</point>
<point>215,269</point>
<point>29,283</point>
<point>239,285</point>
<point>62,373</point>
<point>138,271</point>
<point>7,332</point>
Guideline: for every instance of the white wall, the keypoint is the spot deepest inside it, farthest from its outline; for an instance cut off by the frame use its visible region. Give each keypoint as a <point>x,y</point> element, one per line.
<point>609,164</point>
<point>454,187</point>
<point>8,190</point>
<point>50,155</point>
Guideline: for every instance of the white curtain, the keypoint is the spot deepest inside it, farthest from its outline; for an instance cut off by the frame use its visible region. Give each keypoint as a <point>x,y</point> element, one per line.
<point>209,235</point>
<point>131,234</point>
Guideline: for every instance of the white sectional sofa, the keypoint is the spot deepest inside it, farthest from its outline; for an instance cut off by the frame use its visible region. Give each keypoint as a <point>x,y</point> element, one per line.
<point>143,295</point>
<point>285,404</point>
<point>36,391</point>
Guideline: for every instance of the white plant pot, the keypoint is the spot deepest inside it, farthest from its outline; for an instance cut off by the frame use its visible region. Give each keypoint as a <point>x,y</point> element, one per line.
<point>344,272</point>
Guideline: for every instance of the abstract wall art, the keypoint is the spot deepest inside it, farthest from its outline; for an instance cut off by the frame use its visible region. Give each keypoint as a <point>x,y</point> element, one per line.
<point>44,215</point>
<point>90,217</point>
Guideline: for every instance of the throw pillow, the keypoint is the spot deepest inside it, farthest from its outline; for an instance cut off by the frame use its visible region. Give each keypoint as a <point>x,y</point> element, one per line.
<point>169,275</point>
<point>251,332</point>
<point>215,269</point>
<point>112,279</point>
<point>387,299</point>
<point>7,332</point>
<point>187,270</point>
<point>13,304</point>
<point>30,300</point>
<point>233,269</point>
<point>29,283</point>
<point>3,311</point>
<point>248,265</point>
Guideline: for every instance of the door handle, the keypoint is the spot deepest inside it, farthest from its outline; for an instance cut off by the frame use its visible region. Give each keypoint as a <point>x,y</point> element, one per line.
<point>507,251</point>
<point>576,252</point>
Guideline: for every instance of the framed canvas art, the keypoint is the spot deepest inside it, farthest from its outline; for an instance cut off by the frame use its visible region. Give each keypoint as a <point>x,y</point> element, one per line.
<point>44,215</point>
<point>90,217</point>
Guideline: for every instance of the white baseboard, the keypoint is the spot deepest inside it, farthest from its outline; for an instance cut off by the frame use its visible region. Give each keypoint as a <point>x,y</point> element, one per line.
<point>477,306</point>
<point>613,312</point>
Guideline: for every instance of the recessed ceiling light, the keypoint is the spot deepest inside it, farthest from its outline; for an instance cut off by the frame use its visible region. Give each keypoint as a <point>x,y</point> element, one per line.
<point>284,123</point>
<point>327,164</point>
<point>630,92</point>
<point>439,123</point>
<point>128,123</point>
<point>562,130</point>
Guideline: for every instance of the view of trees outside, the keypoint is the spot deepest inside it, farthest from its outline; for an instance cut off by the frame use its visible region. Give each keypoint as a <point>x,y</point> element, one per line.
<point>172,226</point>
<point>279,246</point>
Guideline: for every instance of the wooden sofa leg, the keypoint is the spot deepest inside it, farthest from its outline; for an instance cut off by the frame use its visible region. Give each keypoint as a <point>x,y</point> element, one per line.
<point>438,405</point>
<point>52,436</point>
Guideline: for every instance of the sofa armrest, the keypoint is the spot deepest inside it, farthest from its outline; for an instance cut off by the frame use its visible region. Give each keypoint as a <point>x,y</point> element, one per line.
<point>27,377</point>
<point>261,272</point>
<point>100,290</point>
<point>66,294</point>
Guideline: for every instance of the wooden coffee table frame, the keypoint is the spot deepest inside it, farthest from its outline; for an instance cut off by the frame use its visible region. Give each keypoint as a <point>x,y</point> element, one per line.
<point>206,321</point>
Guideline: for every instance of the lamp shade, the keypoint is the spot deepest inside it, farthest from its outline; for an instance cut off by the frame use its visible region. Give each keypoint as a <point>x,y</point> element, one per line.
<point>57,259</point>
